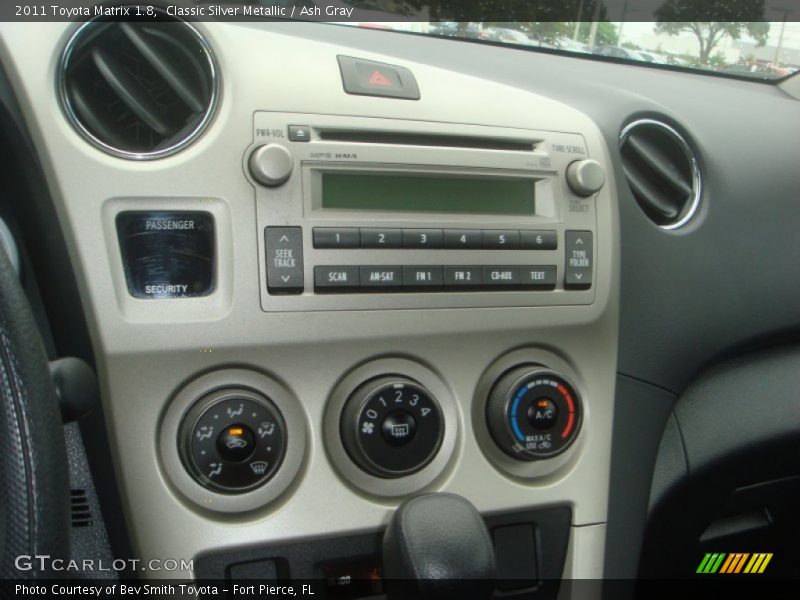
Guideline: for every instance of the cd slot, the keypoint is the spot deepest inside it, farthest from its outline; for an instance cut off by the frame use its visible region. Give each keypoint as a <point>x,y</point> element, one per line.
<point>427,139</point>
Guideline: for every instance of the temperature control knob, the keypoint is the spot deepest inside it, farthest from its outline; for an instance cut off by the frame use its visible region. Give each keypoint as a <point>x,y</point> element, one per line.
<point>271,164</point>
<point>233,442</point>
<point>391,426</point>
<point>585,177</point>
<point>533,413</point>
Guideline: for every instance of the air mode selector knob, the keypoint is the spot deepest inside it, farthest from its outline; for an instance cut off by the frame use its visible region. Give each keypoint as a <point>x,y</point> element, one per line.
<point>271,165</point>
<point>391,426</point>
<point>234,441</point>
<point>585,177</point>
<point>533,413</point>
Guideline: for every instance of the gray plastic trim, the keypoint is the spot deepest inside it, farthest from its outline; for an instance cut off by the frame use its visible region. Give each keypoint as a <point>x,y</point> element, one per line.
<point>352,473</point>
<point>697,180</point>
<point>9,244</point>
<point>66,106</point>
<point>202,389</point>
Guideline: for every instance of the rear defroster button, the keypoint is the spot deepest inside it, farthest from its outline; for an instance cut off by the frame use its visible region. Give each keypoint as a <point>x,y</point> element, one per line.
<point>399,428</point>
<point>391,426</point>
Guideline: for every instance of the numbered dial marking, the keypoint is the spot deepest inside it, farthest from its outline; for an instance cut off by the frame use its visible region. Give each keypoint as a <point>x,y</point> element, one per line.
<point>533,413</point>
<point>392,426</point>
<point>234,444</point>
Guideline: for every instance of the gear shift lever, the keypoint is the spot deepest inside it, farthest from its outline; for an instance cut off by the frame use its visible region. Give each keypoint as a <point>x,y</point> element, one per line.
<point>437,546</point>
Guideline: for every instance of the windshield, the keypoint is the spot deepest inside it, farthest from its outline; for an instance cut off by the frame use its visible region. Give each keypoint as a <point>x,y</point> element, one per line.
<point>749,45</point>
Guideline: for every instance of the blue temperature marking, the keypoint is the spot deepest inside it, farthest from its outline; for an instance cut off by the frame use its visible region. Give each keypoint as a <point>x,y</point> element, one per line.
<point>514,406</point>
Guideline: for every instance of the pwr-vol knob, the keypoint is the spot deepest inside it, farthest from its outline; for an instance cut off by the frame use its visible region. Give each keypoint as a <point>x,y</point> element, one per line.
<point>271,165</point>
<point>391,426</point>
<point>533,413</point>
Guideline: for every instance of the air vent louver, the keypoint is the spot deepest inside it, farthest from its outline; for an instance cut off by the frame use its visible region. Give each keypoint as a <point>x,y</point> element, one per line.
<point>141,89</point>
<point>80,508</point>
<point>662,172</point>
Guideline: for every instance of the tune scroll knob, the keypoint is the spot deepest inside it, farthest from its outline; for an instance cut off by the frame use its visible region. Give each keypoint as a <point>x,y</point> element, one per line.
<point>391,427</point>
<point>271,165</point>
<point>533,413</point>
<point>585,177</point>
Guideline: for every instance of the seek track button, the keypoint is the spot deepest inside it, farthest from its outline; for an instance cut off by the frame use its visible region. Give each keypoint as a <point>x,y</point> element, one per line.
<point>284,260</point>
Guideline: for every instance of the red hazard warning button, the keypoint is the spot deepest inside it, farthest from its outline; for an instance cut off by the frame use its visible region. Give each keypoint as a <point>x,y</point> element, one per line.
<point>378,78</point>
<point>369,78</point>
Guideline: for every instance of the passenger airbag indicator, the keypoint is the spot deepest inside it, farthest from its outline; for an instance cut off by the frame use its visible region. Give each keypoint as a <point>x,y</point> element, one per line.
<point>167,254</point>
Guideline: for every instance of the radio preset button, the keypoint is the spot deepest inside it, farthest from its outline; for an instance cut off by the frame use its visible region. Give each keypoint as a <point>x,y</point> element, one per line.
<point>284,260</point>
<point>336,237</point>
<point>381,277</point>
<point>538,240</point>
<point>422,238</point>
<point>579,259</point>
<point>501,276</point>
<point>463,276</point>
<point>422,277</point>
<point>459,239</point>
<point>381,238</point>
<point>538,277</point>
<point>501,239</point>
<point>327,278</point>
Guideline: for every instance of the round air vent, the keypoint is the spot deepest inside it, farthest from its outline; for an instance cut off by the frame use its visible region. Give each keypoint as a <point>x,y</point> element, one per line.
<point>138,89</point>
<point>662,172</point>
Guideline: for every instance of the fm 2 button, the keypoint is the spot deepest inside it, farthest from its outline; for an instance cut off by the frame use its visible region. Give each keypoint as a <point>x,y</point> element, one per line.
<point>284,260</point>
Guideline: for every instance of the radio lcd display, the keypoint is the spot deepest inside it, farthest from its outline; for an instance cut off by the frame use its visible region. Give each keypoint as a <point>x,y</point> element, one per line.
<point>428,193</point>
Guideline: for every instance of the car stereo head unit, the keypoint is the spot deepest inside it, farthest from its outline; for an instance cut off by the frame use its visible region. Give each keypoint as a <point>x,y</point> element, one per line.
<point>362,213</point>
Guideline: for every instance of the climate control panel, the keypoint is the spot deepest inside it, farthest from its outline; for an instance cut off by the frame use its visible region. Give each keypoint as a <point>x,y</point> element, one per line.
<point>533,413</point>
<point>392,426</point>
<point>233,442</point>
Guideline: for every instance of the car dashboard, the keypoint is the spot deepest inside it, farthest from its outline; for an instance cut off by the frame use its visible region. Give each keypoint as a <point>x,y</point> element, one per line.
<point>376,265</point>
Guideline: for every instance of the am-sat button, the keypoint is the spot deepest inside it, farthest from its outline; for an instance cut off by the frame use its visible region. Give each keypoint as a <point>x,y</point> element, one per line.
<point>381,277</point>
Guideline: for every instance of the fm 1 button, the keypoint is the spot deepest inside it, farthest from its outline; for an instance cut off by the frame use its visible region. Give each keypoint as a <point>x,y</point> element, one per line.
<point>542,414</point>
<point>398,428</point>
<point>236,443</point>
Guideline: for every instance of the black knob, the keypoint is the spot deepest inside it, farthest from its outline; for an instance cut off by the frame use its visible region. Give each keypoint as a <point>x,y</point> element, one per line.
<point>437,546</point>
<point>391,426</point>
<point>533,413</point>
<point>235,444</point>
